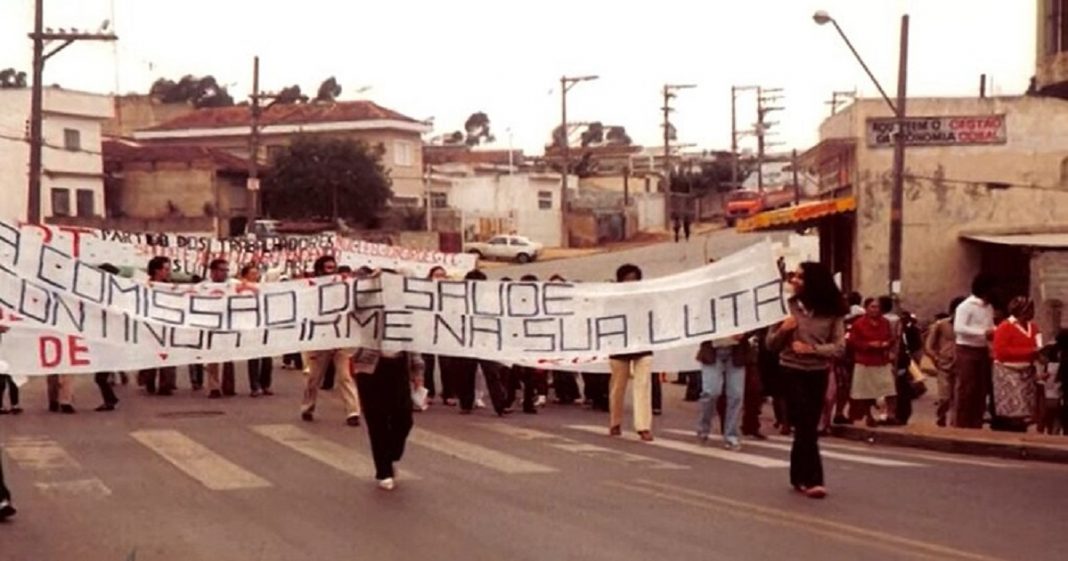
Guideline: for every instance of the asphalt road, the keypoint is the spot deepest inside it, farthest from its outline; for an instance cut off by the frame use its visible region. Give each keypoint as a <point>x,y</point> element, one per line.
<point>655,260</point>
<point>187,478</point>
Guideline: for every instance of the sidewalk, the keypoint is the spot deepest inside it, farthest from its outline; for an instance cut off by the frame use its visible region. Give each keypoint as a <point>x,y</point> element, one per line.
<point>922,432</point>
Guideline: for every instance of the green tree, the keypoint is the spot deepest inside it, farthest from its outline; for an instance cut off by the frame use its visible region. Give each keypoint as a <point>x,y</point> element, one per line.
<point>478,129</point>
<point>11,78</point>
<point>290,95</point>
<point>329,91</point>
<point>322,179</point>
<point>201,91</point>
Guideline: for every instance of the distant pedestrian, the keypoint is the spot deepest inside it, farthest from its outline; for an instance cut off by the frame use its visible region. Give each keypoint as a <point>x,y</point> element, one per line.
<point>941,347</point>
<point>676,225</point>
<point>1054,417</point>
<point>870,340</point>
<point>686,223</point>
<point>1015,347</point>
<point>259,369</point>
<point>627,366</point>
<point>808,341</point>
<point>973,326</point>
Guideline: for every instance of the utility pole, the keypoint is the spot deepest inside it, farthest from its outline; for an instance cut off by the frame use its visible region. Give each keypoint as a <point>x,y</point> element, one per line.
<point>735,133</point>
<point>797,185</point>
<point>669,94</point>
<point>41,37</point>
<point>566,84</point>
<point>764,96</point>
<point>254,144</point>
<point>839,97</point>
<point>897,196</point>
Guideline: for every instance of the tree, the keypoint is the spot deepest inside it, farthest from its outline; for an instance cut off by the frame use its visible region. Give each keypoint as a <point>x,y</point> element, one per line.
<point>617,136</point>
<point>200,91</point>
<point>325,178</point>
<point>454,138</point>
<point>478,129</point>
<point>290,95</point>
<point>329,91</point>
<point>714,174</point>
<point>11,78</point>
<point>594,134</point>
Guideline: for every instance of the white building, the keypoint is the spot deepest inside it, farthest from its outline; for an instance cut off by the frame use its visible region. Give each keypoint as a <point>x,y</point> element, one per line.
<point>493,201</point>
<point>72,178</point>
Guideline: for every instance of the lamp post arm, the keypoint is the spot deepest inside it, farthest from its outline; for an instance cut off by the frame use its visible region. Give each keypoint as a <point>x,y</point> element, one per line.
<point>882,92</point>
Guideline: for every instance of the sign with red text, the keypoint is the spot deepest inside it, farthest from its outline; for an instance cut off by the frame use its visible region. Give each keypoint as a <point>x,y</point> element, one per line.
<point>961,130</point>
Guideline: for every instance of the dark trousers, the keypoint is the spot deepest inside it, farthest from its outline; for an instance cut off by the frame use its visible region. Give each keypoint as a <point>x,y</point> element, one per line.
<point>103,381</point>
<point>5,495</point>
<point>6,383</point>
<point>529,378</point>
<point>259,373</point>
<point>903,405</point>
<point>595,387</point>
<point>566,386</point>
<point>658,392</point>
<point>806,392</point>
<point>692,380</point>
<point>386,400</point>
<point>293,359</point>
<point>466,369</point>
<point>449,385</point>
<point>196,376</point>
<point>973,366</point>
<point>166,379</point>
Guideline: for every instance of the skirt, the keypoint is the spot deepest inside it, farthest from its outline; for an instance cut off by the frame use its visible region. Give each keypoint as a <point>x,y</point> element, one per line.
<point>1015,391</point>
<point>872,382</point>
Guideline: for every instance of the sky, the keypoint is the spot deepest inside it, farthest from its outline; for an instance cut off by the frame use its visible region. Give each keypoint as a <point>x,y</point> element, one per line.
<point>448,58</point>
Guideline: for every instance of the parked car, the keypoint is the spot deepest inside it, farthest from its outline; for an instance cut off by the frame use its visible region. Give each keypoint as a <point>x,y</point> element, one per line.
<point>510,248</point>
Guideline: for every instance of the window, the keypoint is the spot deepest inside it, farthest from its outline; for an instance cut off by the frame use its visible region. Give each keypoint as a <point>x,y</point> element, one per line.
<point>499,241</point>
<point>86,203</point>
<point>439,200</point>
<point>545,200</point>
<point>72,139</point>
<point>1056,26</point>
<point>402,153</point>
<point>518,241</point>
<point>60,202</point>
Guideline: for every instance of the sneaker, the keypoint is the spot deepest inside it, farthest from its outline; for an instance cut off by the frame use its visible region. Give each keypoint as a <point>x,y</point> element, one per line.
<point>817,492</point>
<point>615,431</point>
<point>255,393</point>
<point>646,436</point>
<point>307,416</point>
<point>353,421</point>
<point>7,510</point>
<point>387,484</point>
<point>541,401</point>
<point>105,407</point>
<point>733,445</point>
<point>479,404</point>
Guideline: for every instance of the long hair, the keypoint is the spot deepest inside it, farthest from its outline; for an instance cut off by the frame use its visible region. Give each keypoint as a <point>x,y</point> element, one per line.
<point>819,293</point>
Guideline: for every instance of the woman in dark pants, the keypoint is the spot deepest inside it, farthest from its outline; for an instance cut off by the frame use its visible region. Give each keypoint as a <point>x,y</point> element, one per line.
<point>7,510</point>
<point>808,341</point>
<point>386,397</point>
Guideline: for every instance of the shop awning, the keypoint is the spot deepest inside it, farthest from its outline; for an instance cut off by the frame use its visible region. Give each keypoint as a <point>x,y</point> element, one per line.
<point>800,216</point>
<point>1050,240</point>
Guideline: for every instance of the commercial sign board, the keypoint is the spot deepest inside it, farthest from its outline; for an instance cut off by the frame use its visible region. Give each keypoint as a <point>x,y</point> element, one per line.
<point>958,130</point>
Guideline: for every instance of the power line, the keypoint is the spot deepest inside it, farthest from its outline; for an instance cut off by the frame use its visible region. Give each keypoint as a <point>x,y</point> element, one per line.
<point>49,145</point>
<point>993,185</point>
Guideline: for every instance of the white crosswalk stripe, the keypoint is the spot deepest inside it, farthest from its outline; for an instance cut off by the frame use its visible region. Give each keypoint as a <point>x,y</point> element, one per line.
<point>197,461</point>
<point>906,454</point>
<point>61,476</point>
<point>581,448</point>
<point>468,452</point>
<point>695,449</point>
<point>342,458</point>
<point>869,460</point>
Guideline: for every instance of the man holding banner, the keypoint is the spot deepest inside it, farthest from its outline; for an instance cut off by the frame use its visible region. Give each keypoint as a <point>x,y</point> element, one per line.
<point>631,365</point>
<point>317,362</point>
<point>220,375</point>
<point>159,271</point>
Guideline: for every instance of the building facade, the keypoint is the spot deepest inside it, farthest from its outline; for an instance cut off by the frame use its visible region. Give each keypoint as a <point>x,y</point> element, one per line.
<point>1051,68</point>
<point>228,129</point>
<point>72,176</point>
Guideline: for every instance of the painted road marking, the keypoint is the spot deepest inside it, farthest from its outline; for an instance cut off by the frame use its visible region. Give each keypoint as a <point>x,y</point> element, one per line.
<point>337,456</point>
<point>210,469</point>
<point>870,460</point>
<point>476,454</point>
<point>581,448</point>
<point>38,453</point>
<point>91,488</point>
<point>695,449</point>
<point>883,449</point>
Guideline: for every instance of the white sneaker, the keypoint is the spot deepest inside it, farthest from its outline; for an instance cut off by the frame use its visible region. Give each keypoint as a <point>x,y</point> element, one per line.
<point>541,401</point>
<point>387,484</point>
<point>479,404</point>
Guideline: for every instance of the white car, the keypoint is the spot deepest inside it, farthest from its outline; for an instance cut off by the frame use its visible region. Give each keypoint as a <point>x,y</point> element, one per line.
<point>510,248</point>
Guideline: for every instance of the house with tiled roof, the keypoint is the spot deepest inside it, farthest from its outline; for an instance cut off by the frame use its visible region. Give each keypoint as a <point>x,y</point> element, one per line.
<point>228,129</point>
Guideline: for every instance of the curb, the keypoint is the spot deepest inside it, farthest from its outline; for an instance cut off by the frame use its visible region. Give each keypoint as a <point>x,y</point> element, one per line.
<point>965,447</point>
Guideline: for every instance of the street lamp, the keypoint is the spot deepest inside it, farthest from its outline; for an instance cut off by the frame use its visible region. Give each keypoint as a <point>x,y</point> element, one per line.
<point>566,83</point>
<point>897,192</point>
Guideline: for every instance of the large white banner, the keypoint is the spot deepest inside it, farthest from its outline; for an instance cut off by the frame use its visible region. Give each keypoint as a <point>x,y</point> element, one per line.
<point>278,255</point>
<point>66,316</point>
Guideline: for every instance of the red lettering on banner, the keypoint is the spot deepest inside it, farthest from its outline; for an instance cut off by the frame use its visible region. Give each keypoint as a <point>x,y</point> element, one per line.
<point>76,237</point>
<point>50,351</point>
<point>77,351</point>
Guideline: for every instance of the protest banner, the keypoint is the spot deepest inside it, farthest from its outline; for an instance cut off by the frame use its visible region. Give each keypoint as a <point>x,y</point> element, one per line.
<point>278,255</point>
<point>69,317</point>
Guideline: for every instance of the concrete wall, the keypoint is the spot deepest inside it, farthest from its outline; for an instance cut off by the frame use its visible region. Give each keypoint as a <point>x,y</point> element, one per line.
<point>514,198</point>
<point>137,112</point>
<point>947,191</point>
<point>62,169</point>
<point>649,209</point>
<point>1050,68</point>
<point>1049,290</point>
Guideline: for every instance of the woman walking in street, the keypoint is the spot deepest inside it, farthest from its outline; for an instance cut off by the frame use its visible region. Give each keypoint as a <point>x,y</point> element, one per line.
<point>810,338</point>
<point>624,367</point>
<point>870,340</point>
<point>384,383</point>
<point>1016,345</point>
